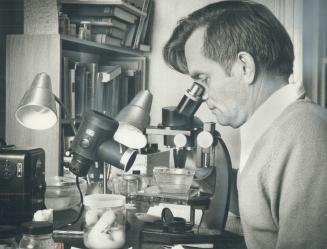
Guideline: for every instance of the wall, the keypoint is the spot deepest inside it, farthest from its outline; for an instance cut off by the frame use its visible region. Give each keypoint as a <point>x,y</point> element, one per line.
<point>315,49</point>
<point>168,86</point>
<point>11,22</point>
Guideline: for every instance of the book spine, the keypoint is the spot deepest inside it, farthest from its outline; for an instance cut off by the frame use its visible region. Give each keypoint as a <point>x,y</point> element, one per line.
<point>72,83</point>
<point>66,85</point>
<point>115,96</point>
<point>80,89</point>
<point>91,85</point>
<point>130,34</point>
<point>108,73</point>
<point>99,95</point>
<point>100,21</point>
<point>111,31</point>
<point>106,40</point>
<point>107,99</point>
<point>140,26</point>
<point>145,37</point>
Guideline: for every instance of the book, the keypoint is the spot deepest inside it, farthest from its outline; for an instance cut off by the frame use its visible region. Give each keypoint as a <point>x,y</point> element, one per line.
<point>72,72</point>
<point>123,92</point>
<point>71,88</point>
<point>137,3</point>
<point>100,21</point>
<point>80,89</point>
<point>130,34</point>
<point>106,40</point>
<point>131,86</point>
<point>111,31</point>
<point>91,81</point>
<point>145,48</point>
<point>99,95</point>
<point>145,37</point>
<point>99,11</point>
<point>141,25</point>
<point>66,87</point>
<point>107,73</point>
<point>114,101</point>
<point>139,64</point>
<point>111,97</point>
<point>106,98</point>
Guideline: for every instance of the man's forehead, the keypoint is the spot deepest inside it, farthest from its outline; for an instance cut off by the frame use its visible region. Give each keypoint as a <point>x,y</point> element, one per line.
<point>193,47</point>
<point>195,40</point>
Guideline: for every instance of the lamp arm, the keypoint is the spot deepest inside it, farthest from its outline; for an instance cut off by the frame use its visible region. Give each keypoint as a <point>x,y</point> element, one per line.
<point>71,122</point>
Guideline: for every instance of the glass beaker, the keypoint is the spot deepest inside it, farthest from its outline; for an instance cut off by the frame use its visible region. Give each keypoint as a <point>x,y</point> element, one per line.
<point>105,218</point>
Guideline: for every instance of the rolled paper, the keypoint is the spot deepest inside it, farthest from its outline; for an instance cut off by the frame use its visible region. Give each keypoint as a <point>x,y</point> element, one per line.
<point>106,220</point>
<point>92,216</point>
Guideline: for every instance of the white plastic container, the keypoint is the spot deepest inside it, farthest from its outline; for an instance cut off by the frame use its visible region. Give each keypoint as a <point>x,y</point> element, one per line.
<point>105,217</point>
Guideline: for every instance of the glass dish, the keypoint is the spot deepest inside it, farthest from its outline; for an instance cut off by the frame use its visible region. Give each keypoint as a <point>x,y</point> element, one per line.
<point>62,193</point>
<point>173,180</point>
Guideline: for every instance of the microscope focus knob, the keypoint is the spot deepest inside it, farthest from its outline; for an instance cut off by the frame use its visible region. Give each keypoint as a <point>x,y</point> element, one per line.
<point>204,139</point>
<point>180,140</point>
<point>85,143</point>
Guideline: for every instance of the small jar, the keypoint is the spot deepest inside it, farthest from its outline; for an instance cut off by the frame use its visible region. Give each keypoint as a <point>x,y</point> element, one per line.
<point>84,31</point>
<point>64,23</point>
<point>127,185</point>
<point>37,235</point>
<point>130,185</point>
<point>104,221</point>
<point>72,29</point>
<point>7,237</point>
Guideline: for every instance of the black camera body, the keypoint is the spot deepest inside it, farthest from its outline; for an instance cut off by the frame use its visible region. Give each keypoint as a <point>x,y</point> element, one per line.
<point>22,184</point>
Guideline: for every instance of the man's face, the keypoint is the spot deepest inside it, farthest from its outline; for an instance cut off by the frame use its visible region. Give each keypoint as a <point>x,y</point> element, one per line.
<point>226,96</point>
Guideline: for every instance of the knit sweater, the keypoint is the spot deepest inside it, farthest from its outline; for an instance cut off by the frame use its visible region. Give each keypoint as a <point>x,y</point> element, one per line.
<point>283,186</point>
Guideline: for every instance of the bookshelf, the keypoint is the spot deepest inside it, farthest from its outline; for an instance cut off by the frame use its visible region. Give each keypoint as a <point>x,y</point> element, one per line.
<point>29,54</point>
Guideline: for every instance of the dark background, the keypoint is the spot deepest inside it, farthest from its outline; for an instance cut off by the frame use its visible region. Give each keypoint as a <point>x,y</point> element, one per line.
<point>11,22</point>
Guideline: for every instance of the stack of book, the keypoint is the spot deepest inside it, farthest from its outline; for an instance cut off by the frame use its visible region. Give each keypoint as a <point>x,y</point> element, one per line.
<point>114,25</point>
<point>109,23</point>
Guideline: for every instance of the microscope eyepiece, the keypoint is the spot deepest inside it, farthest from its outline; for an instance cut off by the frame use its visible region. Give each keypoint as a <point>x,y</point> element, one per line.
<point>191,100</point>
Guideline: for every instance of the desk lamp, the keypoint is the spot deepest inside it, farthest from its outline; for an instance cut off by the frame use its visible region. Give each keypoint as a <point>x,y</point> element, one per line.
<point>37,109</point>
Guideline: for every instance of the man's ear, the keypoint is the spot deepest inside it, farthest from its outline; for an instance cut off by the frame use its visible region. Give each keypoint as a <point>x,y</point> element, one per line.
<point>247,64</point>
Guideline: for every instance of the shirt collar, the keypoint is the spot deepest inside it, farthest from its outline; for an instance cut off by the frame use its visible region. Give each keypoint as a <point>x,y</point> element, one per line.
<point>265,115</point>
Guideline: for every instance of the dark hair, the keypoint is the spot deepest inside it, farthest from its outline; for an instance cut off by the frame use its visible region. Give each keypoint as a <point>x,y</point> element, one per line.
<point>232,27</point>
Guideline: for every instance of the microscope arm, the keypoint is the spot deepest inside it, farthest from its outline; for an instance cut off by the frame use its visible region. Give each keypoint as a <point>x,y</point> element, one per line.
<point>216,215</point>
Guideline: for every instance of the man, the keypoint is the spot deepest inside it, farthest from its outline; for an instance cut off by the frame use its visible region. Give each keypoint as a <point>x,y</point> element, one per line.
<point>243,57</point>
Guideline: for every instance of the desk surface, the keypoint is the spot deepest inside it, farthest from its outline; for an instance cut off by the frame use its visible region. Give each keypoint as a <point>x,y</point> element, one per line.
<point>226,241</point>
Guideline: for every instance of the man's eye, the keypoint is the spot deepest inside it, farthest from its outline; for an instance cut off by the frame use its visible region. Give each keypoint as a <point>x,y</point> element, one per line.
<point>203,81</point>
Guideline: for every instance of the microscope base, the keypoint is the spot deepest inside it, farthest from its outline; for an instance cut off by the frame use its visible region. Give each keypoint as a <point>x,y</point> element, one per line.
<point>155,234</point>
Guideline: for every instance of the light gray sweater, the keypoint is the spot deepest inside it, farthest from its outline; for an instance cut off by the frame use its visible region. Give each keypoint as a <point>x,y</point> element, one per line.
<point>283,186</point>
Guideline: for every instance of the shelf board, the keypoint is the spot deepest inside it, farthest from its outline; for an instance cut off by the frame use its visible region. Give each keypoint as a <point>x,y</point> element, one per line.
<point>121,3</point>
<point>86,45</point>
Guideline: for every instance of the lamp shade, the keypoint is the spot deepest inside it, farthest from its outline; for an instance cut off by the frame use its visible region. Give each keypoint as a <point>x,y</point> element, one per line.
<point>133,119</point>
<point>37,109</point>
<point>137,112</point>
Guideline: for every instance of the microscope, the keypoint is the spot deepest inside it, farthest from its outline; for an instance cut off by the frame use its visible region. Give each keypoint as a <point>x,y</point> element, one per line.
<point>191,139</point>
